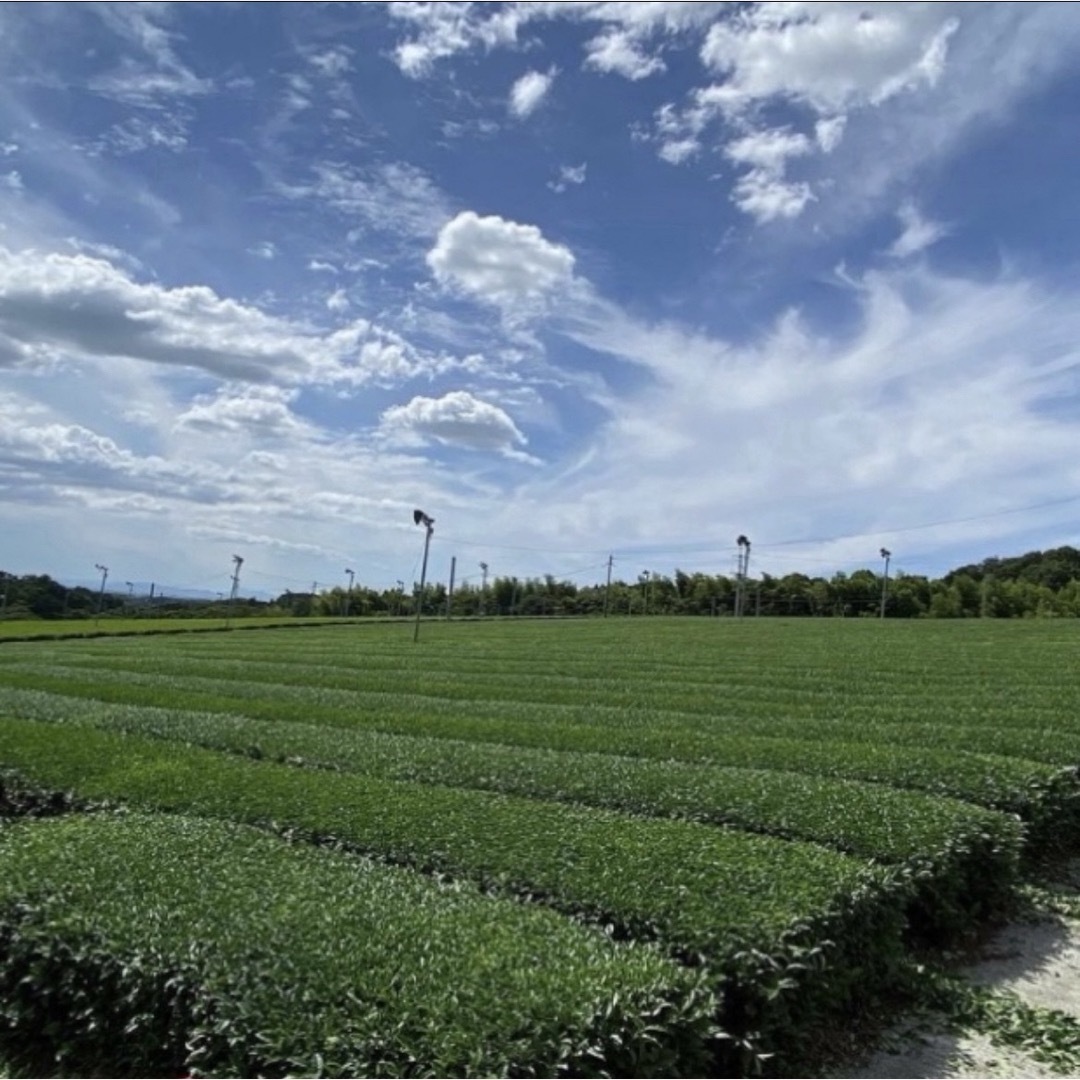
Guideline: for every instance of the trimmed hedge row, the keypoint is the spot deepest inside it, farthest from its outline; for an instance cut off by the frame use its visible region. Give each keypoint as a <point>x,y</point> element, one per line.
<point>865,819</point>
<point>627,680</point>
<point>793,932</point>
<point>142,945</point>
<point>1042,794</point>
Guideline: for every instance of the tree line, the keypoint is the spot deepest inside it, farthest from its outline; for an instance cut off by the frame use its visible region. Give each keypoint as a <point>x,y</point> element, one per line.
<point>1037,584</point>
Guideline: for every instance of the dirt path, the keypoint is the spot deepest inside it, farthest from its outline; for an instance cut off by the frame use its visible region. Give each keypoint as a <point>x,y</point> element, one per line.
<point>1028,978</point>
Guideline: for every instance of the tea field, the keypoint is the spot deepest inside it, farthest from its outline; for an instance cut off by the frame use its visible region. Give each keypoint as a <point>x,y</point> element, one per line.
<point>623,847</point>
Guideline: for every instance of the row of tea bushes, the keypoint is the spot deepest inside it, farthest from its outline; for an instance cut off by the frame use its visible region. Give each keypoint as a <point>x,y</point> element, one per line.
<point>145,945</point>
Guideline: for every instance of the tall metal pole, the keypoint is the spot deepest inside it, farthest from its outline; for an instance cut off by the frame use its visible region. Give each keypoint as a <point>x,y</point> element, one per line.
<point>101,592</point>
<point>348,591</point>
<point>607,588</point>
<point>420,518</point>
<point>3,595</point>
<point>483,588</point>
<point>450,591</point>
<point>237,563</point>
<point>400,596</point>
<point>741,575</point>
<point>886,555</point>
<point>645,592</point>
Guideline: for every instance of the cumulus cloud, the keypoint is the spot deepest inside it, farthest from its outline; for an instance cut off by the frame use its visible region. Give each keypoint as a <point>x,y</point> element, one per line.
<point>52,457</point>
<point>75,306</point>
<point>617,52</point>
<point>918,233</point>
<point>499,261</point>
<point>456,419</point>
<point>763,192</point>
<point>830,56</point>
<point>528,93</point>
<point>261,411</point>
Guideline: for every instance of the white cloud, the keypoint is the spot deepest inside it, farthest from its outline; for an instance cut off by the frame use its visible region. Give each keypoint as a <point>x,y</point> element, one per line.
<point>332,62</point>
<point>165,131</point>
<point>628,31</point>
<point>12,180</point>
<point>568,175</point>
<point>932,407</point>
<point>767,197</point>
<point>617,52</point>
<point>829,132</point>
<point>395,198</point>
<point>260,411</point>
<point>157,78</point>
<point>763,192</point>
<point>456,419</point>
<point>528,93</point>
<point>54,306</point>
<point>827,58</point>
<point>264,249</point>
<point>830,56</point>
<point>918,233</point>
<point>499,261</point>
<point>338,300</point>
<point>769,149</point>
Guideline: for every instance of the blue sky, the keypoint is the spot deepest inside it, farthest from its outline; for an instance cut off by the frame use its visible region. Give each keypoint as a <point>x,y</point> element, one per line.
<point>574,278</point>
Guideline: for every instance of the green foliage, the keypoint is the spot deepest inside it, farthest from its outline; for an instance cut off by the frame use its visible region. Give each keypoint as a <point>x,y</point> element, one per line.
<point>511,756</point>
<point>141,946</point>
<point>865,819</point>
<point>937,760</point>
<point>783,903</point>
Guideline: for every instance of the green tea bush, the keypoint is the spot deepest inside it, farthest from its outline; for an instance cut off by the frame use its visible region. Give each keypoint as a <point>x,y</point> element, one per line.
<point>143,945</point>
<point>865,819</point>
<point>791,931</point>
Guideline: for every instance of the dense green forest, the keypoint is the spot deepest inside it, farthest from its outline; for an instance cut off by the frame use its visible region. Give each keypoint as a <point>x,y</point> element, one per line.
<point>1039,583</point>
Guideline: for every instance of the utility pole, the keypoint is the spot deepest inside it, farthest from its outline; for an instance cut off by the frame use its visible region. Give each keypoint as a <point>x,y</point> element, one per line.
<point>483,588</point>
<point>348,591</point>
<point>420,518</point>
<point>400,596</point>
<point>237,563</point>
<point>645,592</point>
<point>450,591</point>
<point>757,600</point>
<point>101,592</point>
<point>3,595</point>
<point>886,555</point>
<point>607,588</point>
